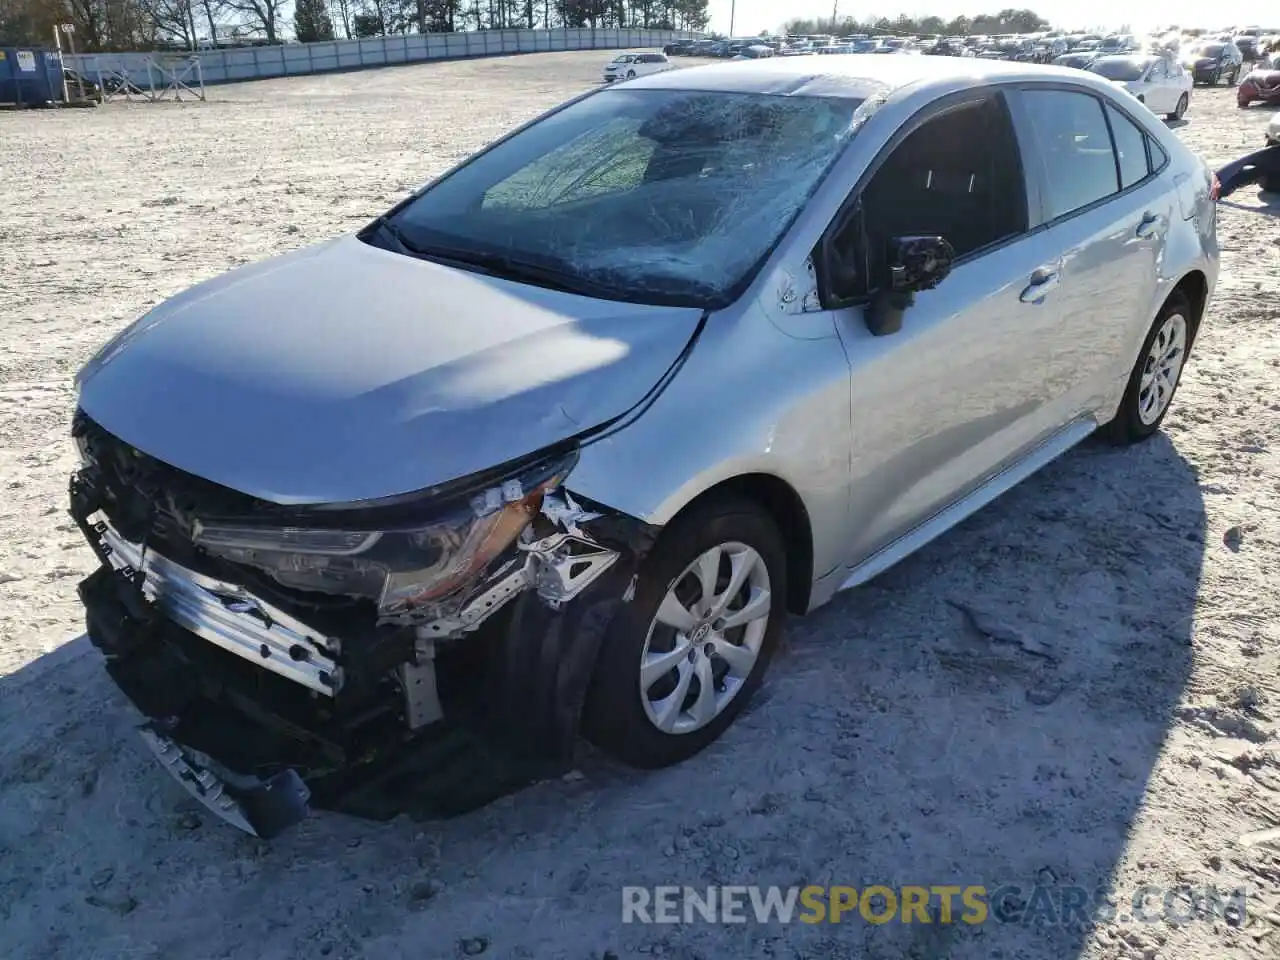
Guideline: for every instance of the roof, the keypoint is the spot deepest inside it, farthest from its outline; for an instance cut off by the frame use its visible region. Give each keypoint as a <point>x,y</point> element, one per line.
<point>851,75</point>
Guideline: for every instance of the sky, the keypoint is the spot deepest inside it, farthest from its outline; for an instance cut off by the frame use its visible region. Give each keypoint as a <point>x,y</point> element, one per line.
<point>752,16</point>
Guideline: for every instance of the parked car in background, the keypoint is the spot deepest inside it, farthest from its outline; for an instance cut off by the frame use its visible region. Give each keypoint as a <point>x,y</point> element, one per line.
<point>1213,61</point>
<point>1050,48</point>
<point>919,281</point>
<point>1247,44</point>
<point>1162,84</point>
<point>947,48</point>
<point>1117,44</point>
<point>628,66</point>
<point>889,45</point>
<point>1079,60</point>
<point>1261,84</point>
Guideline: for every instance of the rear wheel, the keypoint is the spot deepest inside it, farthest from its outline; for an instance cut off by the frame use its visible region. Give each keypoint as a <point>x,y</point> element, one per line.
<point>1180,110</point>
<point>1155,375</point>
<point>681,660</point>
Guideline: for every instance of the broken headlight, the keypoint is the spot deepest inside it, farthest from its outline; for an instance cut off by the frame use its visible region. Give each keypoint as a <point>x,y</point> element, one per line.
<point>403,565</point>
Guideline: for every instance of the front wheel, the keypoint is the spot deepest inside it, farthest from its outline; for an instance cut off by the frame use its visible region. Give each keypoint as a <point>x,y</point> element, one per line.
<point>1155,375</point>
<point>1180,110</point>
<point>631,74</point>
<point>681,660</point>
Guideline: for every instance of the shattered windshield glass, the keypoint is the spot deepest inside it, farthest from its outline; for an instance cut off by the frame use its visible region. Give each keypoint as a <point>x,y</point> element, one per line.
<point>664,196</point>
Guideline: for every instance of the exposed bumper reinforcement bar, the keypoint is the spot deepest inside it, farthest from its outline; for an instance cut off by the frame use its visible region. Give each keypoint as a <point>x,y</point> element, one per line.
<point>229,616</point>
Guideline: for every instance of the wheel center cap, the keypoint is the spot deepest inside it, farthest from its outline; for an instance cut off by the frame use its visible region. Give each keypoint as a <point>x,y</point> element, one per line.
<point>700,632</point>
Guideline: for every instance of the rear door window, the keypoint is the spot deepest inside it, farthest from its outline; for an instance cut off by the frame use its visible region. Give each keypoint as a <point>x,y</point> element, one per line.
<point>1069,129</point>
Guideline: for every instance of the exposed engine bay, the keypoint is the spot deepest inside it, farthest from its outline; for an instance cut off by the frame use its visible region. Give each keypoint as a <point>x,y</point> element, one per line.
<point>422,655</point>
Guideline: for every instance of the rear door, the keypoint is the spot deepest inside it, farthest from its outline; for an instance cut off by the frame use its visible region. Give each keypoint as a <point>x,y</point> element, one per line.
<point>1158,90</point>
<point>1108,214</point>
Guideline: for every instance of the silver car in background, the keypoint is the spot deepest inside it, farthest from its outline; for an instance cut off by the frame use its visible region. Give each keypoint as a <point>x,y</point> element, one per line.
<point>557,443</point>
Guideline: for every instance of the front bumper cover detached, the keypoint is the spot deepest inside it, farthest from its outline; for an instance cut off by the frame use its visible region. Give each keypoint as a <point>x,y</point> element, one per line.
<point>250,709</point>
<point>1261,167</point>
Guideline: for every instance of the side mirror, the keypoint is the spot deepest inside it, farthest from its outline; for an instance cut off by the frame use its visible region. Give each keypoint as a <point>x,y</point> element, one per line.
<point>919,263</point>
<point>913,264</point>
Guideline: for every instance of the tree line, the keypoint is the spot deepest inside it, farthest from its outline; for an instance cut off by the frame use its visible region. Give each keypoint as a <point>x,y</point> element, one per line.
<point>113,25</point>
<point>1006,21</point>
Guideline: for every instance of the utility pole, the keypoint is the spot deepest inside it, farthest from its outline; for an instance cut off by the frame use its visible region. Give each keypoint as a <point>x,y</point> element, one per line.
<point>733,9</point>
<point>835,6</point>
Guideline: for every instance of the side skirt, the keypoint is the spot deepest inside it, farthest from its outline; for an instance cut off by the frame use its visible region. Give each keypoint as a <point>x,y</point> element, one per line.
<point>966,506</point>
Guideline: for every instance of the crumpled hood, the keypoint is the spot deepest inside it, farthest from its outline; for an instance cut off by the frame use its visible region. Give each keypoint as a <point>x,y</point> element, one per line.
<point>346,372</point>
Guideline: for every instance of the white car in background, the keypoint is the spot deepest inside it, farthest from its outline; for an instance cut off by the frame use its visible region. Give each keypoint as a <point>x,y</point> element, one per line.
<point>1162,83</point>
<point>627,66</point>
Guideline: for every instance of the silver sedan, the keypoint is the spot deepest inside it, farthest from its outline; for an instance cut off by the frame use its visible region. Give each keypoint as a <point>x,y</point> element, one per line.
<point>587,416</point>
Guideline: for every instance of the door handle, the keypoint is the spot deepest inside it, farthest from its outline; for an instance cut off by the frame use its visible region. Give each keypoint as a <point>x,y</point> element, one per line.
<point>1042,281</point>
<point>1148,225</point>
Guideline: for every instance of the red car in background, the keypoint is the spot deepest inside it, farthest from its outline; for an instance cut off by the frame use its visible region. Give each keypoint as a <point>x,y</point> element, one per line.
<point>1262,83</point>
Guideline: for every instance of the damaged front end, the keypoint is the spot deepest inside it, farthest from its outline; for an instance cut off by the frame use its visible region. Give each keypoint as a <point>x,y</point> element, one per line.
<point>419,655</point>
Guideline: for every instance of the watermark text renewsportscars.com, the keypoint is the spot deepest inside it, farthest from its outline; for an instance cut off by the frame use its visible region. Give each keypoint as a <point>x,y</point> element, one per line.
<point>937,903</point>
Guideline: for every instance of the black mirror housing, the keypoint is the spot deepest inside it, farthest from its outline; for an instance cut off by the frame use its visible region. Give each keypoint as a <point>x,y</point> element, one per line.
<point>918,263</point>
<point>914,263</point>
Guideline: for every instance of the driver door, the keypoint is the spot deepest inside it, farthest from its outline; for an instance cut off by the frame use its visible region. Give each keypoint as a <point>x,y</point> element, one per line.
<point>967,385</point>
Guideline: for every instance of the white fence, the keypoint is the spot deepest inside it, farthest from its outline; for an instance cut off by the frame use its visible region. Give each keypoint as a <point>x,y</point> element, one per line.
<point>291,59</point>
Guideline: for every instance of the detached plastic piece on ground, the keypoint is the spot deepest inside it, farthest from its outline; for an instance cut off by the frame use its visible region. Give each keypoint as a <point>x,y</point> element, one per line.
<point>1262,168</point>
<point>263,809</point>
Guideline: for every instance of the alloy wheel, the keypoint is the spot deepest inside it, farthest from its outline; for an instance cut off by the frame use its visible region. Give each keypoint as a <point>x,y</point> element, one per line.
<point>705,639</point>
<point>1162,368</point>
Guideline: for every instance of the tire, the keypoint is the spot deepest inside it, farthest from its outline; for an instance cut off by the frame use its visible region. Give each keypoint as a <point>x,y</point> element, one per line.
<point>1134,421</point>
<point>619,716</point>
<point>1180,110</point>
<point>631,74</point>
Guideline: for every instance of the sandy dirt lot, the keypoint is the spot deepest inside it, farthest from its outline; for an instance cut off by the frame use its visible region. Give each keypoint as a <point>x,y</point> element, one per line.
<point>1104,712</point>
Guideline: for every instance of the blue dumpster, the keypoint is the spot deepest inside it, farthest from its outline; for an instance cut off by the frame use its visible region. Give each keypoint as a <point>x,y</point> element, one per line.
<point>30,75</point>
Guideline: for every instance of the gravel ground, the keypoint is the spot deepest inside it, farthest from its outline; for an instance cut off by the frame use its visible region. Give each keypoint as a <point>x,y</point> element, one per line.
<point>1077,686</point>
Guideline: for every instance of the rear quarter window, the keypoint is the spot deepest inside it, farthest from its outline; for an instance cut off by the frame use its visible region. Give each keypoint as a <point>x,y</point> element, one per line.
<point>1130,147</point>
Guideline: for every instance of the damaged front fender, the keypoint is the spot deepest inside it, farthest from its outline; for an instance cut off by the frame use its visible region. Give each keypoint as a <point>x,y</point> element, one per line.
<point>542,665</point>
<point>539,667</point>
